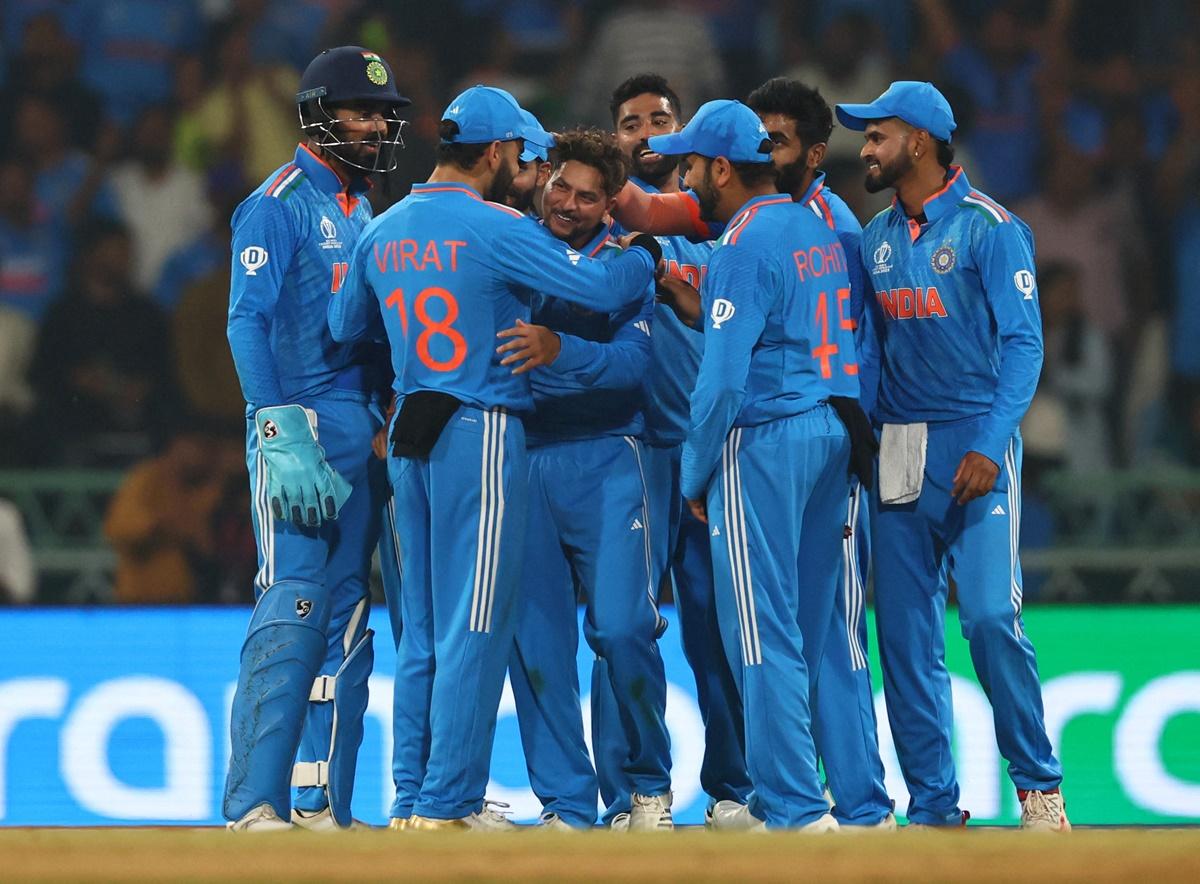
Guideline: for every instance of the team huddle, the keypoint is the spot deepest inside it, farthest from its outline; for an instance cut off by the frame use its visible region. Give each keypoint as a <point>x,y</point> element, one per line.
<point>569,366</point>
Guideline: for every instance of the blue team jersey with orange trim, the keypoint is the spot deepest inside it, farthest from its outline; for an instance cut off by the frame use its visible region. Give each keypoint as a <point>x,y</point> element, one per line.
<point>778,334</point>
<point>292,239</point>
<point>955,313</point>
<point>594,387</point>
<point>446,270</point>
<point>675,348</point>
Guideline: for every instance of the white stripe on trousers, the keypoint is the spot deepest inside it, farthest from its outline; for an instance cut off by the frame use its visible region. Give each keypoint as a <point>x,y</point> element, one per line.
<point>1014,533</point>
<point>266,525</point>
<point>735,543</point>
<point>491,520</point>
<point>651,589</point>
<point>853,592</point>
<point>391,508</point>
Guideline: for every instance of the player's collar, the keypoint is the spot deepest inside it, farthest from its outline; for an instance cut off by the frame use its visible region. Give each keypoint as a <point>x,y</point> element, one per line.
<point>447,187</point>
<point>818,182</point>
<point>942,200</point>
<point>596,243</point>
<point>321,174</point>
<point>755,203</point>
<point>646,186</point>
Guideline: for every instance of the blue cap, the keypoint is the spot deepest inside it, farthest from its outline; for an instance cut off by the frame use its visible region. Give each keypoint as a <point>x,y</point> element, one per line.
<point>721,128</point>
<point>485,114</point>
<point>918,104</point>
<point>536,150</point>
<point>349,73</point>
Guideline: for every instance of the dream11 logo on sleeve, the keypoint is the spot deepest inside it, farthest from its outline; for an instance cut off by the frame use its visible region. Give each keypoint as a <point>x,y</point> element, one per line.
<point>253,258</point>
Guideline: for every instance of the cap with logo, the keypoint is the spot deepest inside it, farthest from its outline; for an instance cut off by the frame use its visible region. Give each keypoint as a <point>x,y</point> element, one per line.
<point>485,114</point>
<point>722,128</point>
<point>538,149</point>
<point>349,73</point>
<point>916,103</point>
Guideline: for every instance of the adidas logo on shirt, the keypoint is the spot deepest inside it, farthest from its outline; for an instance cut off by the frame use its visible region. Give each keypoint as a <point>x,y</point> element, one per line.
<point>999,511</point>
<point>636,526</point>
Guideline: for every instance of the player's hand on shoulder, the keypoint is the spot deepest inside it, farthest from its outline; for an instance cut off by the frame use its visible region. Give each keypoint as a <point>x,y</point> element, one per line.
<point>650,244</point>
<point>528,346</point>
<point>975,477</point>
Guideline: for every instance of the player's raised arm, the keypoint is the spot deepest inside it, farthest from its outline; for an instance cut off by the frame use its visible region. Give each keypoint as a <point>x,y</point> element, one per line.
<point>354,310</point>
<point>734,318</point>
<point>264,244</point>
<point>1005,259</point>
<point>663,214</point>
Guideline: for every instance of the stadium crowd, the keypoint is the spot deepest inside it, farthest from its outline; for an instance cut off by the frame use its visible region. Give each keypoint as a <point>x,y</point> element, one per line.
<point>138,125</point>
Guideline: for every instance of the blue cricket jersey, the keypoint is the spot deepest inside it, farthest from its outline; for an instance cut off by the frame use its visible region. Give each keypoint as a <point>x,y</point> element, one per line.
<point>675,348</point>
<point>593,389</point>
<point>447,270</point>
<point>955,313</point>
<point>292,239</point>
<point>779,336</point>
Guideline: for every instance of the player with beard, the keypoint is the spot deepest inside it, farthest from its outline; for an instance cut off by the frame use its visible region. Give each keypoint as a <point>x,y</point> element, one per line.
<point>956,334</point>
<point>312,407</point>
<point>644,106</point>
<point>525,192</point>
<point>589,525</point>
<point>440,275</point>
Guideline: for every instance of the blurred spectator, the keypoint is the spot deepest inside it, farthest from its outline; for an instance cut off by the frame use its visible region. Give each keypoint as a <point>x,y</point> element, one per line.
<point>47,65</point>
<point>101,370</point>
<point>247,113</point>
<point>129,47</point>
<point>1074,221</point>
<point>846,64</point>
<point>1078,371</point>
<point>225,187</point>
<point>68,183</point>
<point>18,577</point>
<point>160,521</point>
<point>643,35</point>
<point>162,203</point>
<point>998,69</point>
<point>283,32</point>
<point>32,249</point>
<point>196,289</point>
<point>32,254</point>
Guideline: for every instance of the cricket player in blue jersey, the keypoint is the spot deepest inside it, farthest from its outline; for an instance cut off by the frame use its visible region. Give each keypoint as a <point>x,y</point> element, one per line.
<point>644,106</point>
<point>525,191</point>
<point>958,347</point>
<point>312,408</point>
<point>442,273</point>
<point>799,122</point>
<point>845,728</point>
<point>589,523</point>
<point>765,463</point>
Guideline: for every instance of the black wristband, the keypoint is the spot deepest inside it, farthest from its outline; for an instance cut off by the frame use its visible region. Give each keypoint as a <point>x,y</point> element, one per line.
<point>650,244</point>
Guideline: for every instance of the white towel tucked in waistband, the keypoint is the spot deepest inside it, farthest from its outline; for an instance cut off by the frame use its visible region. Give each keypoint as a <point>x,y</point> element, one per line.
<point>902,462</point>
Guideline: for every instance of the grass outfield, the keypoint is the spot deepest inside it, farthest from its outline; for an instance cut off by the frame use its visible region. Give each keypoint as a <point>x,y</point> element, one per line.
<point>1154,855</point>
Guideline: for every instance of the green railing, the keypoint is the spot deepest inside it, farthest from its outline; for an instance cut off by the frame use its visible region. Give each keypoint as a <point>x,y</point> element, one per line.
<point>1131,535</point>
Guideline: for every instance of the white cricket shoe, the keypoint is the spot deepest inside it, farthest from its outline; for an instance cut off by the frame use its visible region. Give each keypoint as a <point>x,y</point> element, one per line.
<point>552,822</point>
<point>493,818</point>
<point>821,826</point>
<point>322,821</point>
<point>651,813</point>
<point>1044,811</point>
<point>730,816</point>
<point>262,818</point>
<point>620,822</point>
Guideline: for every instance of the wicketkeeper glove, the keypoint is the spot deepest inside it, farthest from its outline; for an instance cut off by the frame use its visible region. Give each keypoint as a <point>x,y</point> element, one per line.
<point>301,485</point>
<point>863,446</point>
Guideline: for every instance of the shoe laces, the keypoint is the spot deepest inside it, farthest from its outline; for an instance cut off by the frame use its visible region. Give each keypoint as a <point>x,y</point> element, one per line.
<point>651,802</point>
<point>496,811</point>
<point>1042,806</point>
